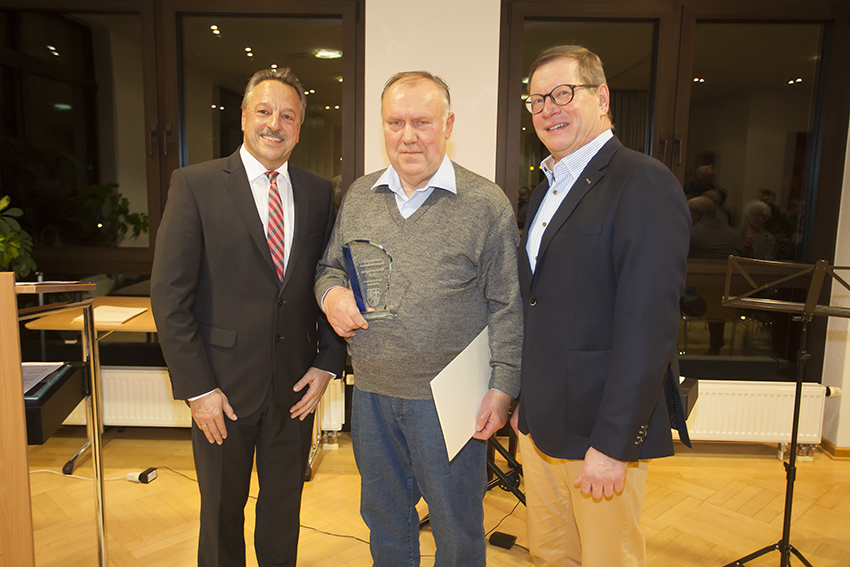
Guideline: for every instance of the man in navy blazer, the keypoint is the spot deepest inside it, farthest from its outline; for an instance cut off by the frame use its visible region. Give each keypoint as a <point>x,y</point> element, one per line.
<point>602,265</point>
<point>247,348</point>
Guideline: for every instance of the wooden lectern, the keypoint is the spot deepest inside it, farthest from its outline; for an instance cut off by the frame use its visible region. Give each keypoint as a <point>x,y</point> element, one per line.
<point>16,528</point>
<point>16,541</point>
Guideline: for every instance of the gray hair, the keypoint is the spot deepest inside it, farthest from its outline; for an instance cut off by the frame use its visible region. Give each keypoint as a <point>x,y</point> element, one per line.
<point>756,207</point>
<point>283,75</point>
<point>414,76</point>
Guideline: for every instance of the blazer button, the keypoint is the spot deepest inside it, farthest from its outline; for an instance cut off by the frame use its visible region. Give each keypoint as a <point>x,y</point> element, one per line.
<point>278,338</point>
<point>279,302</point>
<point>532,301</point>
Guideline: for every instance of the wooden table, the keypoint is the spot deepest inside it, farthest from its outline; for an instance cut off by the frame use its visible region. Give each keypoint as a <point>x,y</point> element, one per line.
<point>142,323</point>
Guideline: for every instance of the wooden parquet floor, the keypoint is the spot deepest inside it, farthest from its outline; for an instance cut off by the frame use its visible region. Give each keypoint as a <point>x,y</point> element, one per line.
<point>705,507</point>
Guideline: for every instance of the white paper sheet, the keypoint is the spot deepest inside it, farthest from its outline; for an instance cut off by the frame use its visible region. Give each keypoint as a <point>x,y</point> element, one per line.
<point>459,389</point>
<point>113,314</point>
<point>35,372</point>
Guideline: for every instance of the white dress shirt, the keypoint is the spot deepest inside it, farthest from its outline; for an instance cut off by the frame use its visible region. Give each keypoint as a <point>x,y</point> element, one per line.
<point>260,189</point>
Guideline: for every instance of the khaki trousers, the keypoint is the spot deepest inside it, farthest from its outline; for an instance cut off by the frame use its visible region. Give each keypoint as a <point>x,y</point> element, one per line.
<point>566,527</point>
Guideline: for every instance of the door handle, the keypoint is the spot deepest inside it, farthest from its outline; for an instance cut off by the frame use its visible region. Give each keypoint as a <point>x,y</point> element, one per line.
<point>166,139</point>
<point>677,149</point>
<point>152,140</point>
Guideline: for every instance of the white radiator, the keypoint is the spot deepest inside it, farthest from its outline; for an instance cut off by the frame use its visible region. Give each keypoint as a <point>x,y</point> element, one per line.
<point>137,396</point>
<point>755,411</point>
<point>332,406</point>
<point>141,396</point>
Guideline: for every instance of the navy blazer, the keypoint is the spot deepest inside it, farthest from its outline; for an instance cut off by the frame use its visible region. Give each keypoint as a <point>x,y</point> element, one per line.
<point>601,311</point>
<point>223,317</point>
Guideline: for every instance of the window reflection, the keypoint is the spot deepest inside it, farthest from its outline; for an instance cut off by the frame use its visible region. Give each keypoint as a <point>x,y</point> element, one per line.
<point>750,126</point>
<point>220,54</point>
<point>749,150</point>
<point>626,48</point>
<point>74,156</point>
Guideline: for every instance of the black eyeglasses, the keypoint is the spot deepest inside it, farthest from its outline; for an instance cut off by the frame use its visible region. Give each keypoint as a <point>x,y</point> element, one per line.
<point>562,95</point>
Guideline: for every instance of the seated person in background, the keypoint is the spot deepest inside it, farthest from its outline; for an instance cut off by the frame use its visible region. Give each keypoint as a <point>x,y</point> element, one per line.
<point>711,239</point>
<point>758,242</point>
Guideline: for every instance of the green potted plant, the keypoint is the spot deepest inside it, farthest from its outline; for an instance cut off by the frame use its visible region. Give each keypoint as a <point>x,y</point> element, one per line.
<point>15,243</point>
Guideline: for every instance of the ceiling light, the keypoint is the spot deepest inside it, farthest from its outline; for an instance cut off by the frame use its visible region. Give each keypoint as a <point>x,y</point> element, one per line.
<point>328,54</point>
<point>339,79</point>
<point>249,54</point>
<point>248,49</point>
<point>525,81</point>
<point>327,108</point>
<point>336,107</point>
<point>699,80</point>
<point>214,106</point>
<point>312,91</point>
<point>274,65</point>
<point>61,106</point>
<point>213,27</point>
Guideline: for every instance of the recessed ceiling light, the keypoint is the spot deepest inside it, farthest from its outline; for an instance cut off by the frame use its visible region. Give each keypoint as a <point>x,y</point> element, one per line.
<point>248,49</point>
<point>328,54</point>
<point>274,65</point>
<point>339,79</point>
<point>249,54</point>
<point>213,27</point>
<point>525,81</point>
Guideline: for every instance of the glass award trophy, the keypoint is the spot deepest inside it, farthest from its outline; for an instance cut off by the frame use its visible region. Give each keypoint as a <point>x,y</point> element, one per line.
<point>369,267</point>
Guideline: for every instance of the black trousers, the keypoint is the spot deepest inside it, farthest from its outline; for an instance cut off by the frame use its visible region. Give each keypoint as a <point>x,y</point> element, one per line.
<point>282,447</point>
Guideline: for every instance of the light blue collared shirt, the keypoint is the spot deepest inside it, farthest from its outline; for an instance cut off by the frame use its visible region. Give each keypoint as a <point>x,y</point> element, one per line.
<point>444,178</point>
<point>561,176</point>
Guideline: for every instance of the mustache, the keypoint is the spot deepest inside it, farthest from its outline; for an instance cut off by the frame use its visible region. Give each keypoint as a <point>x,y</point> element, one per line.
<point>270,132</point>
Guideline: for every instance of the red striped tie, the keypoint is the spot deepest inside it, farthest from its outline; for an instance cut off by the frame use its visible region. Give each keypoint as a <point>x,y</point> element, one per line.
<point>276,246</point>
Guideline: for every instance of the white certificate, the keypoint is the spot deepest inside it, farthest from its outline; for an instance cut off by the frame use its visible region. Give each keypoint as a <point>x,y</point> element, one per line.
<point>458,391</point>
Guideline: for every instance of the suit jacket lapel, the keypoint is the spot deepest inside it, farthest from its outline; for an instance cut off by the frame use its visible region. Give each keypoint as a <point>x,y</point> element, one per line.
<point>586,181</point>
<point>237,184</point>
<point>301,200</point>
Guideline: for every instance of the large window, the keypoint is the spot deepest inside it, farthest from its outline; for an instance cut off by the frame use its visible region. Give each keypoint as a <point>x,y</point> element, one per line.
<point>103,100</point>
<point>734,100</point>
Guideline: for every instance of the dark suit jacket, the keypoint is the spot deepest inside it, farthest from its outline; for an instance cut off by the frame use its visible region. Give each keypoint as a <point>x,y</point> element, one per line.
<point>223,318</point>
<point>602,311</point>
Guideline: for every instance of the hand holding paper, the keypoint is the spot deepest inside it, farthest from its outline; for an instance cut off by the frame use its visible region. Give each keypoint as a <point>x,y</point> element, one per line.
<point>493,414</point>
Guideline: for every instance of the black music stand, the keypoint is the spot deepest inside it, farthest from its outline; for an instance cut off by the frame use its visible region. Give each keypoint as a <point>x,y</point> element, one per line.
<point>815,274</point>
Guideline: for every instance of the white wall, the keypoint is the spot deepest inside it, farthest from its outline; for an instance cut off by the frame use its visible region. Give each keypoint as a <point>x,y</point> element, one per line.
<point>836,368</point>
<point>459,41</point>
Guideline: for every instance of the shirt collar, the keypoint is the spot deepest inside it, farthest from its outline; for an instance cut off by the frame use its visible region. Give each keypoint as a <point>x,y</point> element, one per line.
<point>254,169</point>
<point>574,163</point>
<point>444,178</point>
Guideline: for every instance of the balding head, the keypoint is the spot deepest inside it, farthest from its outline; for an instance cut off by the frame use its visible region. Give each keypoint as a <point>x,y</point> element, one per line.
<point>702,208</point>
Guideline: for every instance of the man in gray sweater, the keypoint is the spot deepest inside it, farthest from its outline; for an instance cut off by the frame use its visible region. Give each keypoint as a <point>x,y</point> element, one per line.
<point>453,241</point>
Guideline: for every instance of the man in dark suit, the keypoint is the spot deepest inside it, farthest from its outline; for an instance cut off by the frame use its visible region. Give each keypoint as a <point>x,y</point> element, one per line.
<point>602,265</point>
<point>232,296</point>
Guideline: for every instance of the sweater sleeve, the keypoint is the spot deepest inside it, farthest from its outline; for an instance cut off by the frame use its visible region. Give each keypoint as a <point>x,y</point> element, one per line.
<point>499,284</point>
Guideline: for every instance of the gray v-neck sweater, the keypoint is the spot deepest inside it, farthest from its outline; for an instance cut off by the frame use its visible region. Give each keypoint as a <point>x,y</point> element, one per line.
<point>454,271</point>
